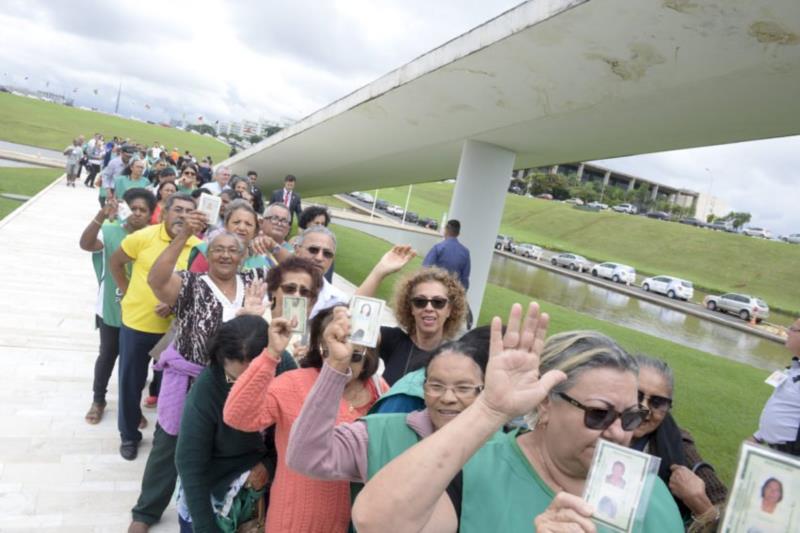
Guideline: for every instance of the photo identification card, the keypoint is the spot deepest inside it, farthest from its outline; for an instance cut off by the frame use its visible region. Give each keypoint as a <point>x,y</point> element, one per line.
<point>618,485</point>
<point>296,307</point>
<point>123,211</point>
<point>766,493</point>
<point>365,320</point>
<point>776,378</point>
<point>210,205</point>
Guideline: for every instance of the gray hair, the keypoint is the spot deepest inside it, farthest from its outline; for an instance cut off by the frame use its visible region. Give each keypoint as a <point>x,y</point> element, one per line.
<point>276,204</point>
<point>225,233</point>
<point>237,179</point>
<point>174,197</point>
<point>220,169</point>
<point>315,229</point>
<point>577,352</point>
<point>659,366</point>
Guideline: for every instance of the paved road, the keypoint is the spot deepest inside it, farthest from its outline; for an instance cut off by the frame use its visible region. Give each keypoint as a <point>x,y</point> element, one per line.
<point>31,150</point>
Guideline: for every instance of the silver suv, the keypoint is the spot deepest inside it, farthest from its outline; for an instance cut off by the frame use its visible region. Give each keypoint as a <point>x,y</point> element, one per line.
<point>573,261</point>
<point>742,305</point>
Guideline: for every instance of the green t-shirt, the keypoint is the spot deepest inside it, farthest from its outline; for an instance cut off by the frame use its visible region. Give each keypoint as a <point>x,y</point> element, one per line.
<point>124,183</point>
<point>108,300</point>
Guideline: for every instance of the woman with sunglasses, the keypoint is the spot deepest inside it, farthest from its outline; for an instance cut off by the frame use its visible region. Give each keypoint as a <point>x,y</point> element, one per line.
<point>187,182</point>
<point>301,504</point>
<point>430,305</point>
<point>693,483</point>
<point>587,390</point>
<point>240,219</point>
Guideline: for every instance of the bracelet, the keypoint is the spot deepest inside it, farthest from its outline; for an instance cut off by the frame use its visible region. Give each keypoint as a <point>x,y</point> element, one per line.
<point>705,518</point>
<point>96,222</point>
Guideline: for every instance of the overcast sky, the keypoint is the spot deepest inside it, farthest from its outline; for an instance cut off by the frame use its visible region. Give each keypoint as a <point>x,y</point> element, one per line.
<point>282,60</point>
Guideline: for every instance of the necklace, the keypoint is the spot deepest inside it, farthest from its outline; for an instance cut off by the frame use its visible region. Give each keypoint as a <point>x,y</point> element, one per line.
<point>359,399</point>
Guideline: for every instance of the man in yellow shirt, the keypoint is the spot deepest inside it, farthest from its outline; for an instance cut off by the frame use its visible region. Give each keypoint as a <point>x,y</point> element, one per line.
<point>144,318</point>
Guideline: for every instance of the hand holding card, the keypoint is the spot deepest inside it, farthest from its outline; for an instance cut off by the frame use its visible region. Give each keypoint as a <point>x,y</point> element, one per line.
<point>365,320</point>
<point>295,309</point>
<point>210,206</point>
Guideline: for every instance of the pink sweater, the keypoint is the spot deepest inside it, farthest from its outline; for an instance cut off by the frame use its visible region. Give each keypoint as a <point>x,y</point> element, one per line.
<point>298,504</point>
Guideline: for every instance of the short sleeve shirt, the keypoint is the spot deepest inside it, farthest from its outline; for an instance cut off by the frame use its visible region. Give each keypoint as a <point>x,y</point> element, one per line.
<point>780,418</point>
<point>199,313</point>
<point>399,354</point>
<point>138,305</point>
<point>108,307</point>
<point>125,183</point>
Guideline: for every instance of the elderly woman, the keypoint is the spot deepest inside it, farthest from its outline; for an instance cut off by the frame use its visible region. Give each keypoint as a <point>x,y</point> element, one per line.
<point>322,448</point>
<point>131,178</point>
<point>693,483</point>
<point>240,219</point>
<point>300,504</point>
<point>587,391</point>
<point>430,306</point>
<point>201,303</point>
<point>216,463</point>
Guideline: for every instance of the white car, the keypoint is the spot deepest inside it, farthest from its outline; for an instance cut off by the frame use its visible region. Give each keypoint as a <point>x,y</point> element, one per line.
<point>794,238</point>
<point>625,208</point>
<point>524,249</point>
<point>574,261</point>
<point>757,232</point>
<point>672,287</point>
<point>394,210</point>
<point>597,205</point>
<point>615,272</point>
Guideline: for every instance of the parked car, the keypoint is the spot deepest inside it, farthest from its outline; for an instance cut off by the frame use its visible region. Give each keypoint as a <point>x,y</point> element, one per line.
<point>794,238</point>
<point>659,215</point>
<point>597,205</point>
<point>394,210</point>
<point>672,287</point>
<point>503,242</point>
<point>429,223</point>
<point>615,272</point>
<point>756,232</point>
<point>625,208</point>
<point>573,261</point>
<point>691,221</point>
<point>412,217</point>
<point>528,250</point>
<point>574,201</point>
<point>545,196</point>
<point>742,305</point>
<point>514,189</point>
<point>722,226</point>
<point>381,204</point>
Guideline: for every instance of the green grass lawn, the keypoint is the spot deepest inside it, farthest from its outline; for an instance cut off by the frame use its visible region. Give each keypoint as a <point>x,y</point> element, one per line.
<point>718,400</point>
<point>330,201</point>
<point>26,181</point>
<point>715,261</point>
<point>34,122</point>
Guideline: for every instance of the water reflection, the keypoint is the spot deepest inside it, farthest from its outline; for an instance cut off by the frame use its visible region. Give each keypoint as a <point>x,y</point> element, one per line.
<point>637,314</point>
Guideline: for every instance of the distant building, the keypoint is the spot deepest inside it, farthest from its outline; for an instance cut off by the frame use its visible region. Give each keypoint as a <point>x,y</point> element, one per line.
<point>707,205</point>
<point>249,128</point>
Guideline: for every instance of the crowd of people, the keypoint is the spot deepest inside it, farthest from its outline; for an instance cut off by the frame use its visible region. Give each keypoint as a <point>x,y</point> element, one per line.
<point>440,427</point>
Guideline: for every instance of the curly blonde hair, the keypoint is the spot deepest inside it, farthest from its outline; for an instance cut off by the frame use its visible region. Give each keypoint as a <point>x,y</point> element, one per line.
<point>456,296</point>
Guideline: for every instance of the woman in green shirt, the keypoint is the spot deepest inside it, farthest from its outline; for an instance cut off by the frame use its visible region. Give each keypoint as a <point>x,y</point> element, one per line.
<point>587,391</point>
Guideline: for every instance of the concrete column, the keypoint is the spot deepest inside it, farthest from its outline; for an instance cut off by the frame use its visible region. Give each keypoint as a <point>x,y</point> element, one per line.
<point>631,184</point>
<point>554,169</point>
<point>606,177</point>
<point>580,172</point>
<point>654,192</point>
<point>478,200</point>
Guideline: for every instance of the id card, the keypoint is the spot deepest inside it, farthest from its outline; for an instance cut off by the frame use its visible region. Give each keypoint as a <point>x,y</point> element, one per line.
<point>296,307</point>
<point>776,378</point>
<point>365,320</point>
<point>123,211</point>
<point>210,205</point>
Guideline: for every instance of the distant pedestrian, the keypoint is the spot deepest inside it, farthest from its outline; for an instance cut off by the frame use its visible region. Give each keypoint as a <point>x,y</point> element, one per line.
<point>452,256</point>
<point>74,153</point>
<point>258,197</point>
<point>288,197</point>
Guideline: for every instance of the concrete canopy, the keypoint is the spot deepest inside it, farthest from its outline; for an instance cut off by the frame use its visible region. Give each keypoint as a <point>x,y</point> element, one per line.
<point>556,81</point>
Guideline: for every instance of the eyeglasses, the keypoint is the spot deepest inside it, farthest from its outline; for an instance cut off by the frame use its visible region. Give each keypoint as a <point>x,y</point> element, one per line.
<point>656,403</point>
<point>230,250</point>
<point>358,356</point>
<point>600,419</point>
<point>315,250</point>
<point>464,392</point>
<point>275,219</point>
<point>421,303</point>
<point>293,288</point>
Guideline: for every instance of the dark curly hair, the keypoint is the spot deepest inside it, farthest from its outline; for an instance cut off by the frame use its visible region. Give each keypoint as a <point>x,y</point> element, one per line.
<point>312,212</point>
<point>456,296</point>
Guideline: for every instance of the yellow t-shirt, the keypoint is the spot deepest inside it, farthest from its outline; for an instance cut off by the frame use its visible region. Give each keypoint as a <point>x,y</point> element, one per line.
<point>138,305</point>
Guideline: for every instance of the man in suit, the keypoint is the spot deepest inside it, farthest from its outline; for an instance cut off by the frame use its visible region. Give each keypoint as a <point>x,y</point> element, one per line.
<point>258,198</point>
<point>287,196</point>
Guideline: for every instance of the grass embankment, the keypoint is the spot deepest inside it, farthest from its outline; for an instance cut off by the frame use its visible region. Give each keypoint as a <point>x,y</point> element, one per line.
<point>718,262</point>
<point>330,201</point>
<point>26,181</point>
<point>38,123</point>
<point>718,400</point>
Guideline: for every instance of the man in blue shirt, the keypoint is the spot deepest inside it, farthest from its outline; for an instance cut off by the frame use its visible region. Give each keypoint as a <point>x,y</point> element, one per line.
<point>452,256</point>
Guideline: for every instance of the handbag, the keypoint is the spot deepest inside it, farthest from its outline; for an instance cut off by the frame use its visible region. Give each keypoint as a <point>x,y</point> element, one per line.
<point>247,514</point>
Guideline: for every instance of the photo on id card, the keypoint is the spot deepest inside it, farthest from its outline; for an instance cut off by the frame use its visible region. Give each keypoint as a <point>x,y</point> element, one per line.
<point>296,307</point>
<point>210,205</point>
<point>766,493</point>
<point>365,320</point>
<point>618,487</point>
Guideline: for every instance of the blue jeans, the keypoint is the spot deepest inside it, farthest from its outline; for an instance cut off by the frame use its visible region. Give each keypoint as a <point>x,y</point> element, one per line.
<point>134,357</point>
<point>186,527</point>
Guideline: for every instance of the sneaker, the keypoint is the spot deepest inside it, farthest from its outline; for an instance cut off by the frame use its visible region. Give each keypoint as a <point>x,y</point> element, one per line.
<point>129,449</point>
<point>151,402</point>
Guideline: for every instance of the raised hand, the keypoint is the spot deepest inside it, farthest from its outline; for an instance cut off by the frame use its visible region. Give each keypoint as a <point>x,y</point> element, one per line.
<point>566,512</point>
<point>338,348</point>
<point>193,222</point>
<point>513,385</point>
<point>254,299</point>
<point>110,208</point>
<point>279,333</point>
<point>262,244</point>
<point>396,258</point>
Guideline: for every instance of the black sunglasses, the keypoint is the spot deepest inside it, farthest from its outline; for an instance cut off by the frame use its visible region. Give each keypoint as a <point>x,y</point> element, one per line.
<point>292,288</point>
<point>314,250</point>
<point>600,419</point>
<point>656,403</point>
<point>422,303</point>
